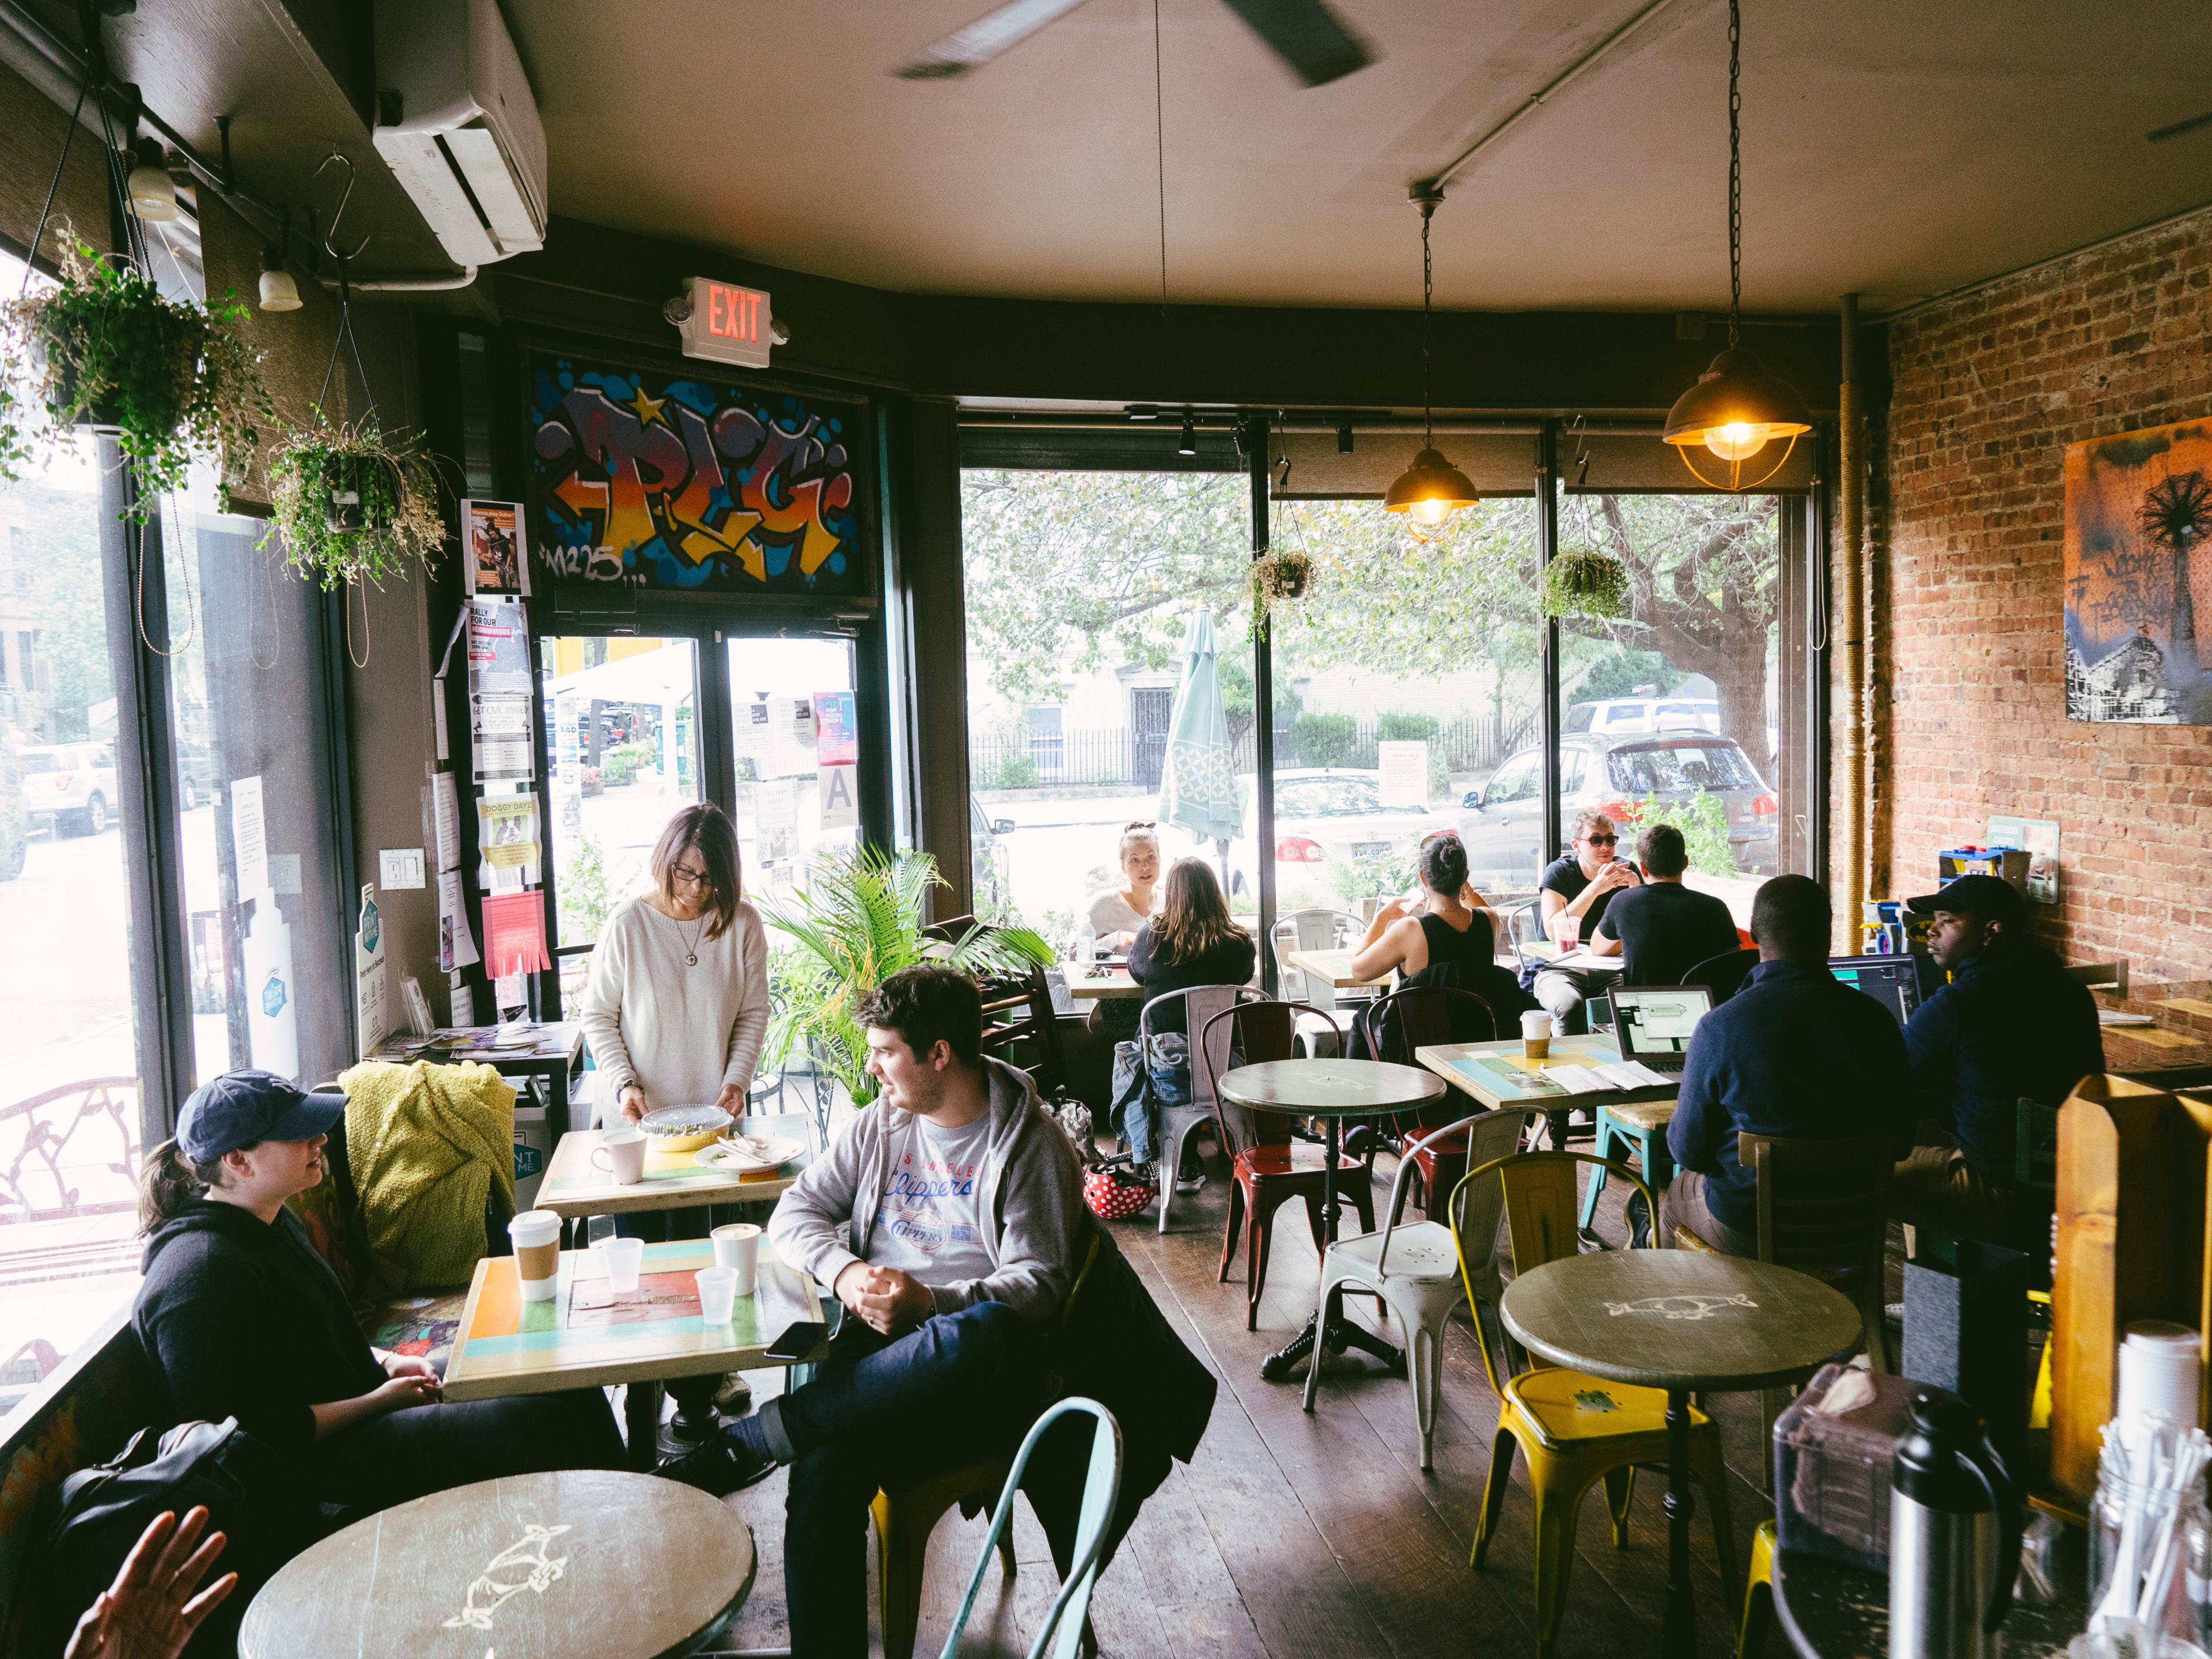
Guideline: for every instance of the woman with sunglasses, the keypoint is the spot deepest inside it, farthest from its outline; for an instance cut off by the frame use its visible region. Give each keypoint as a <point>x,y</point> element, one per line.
<point>1575,889</point>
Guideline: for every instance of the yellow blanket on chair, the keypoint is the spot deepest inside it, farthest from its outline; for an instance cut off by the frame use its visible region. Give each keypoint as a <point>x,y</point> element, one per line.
<point>424,1143</point>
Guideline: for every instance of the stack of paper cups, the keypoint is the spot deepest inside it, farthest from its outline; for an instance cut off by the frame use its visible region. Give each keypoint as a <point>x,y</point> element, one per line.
<point>2158,1376</point>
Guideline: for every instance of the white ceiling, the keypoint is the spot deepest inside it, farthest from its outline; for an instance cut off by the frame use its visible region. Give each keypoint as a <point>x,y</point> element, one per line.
<point>1896,148</point>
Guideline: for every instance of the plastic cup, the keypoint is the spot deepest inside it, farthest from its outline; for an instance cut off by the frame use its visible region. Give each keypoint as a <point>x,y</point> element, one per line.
<point>621,1153</point>
<point>737,1247</point>
<point>718,1295</point>
<point>536,1236</point>
<point>1535,1035</point>
<point>624,1257</point>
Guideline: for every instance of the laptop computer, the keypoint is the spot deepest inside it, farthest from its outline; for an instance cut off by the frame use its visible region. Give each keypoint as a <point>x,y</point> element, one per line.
<point>1892,981</point>
<point>1653,1022</point>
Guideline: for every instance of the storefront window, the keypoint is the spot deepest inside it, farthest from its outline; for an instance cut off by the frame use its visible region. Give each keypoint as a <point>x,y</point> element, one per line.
<point>69,1084</point>
<point>796,757</point>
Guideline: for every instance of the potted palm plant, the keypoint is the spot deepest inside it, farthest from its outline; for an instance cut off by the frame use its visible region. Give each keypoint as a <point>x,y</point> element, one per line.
<point>855,922</point>
<point>103,348</point>
<point>352,503</point>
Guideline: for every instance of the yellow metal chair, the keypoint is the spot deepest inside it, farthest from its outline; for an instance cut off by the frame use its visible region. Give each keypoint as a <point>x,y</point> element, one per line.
<point>905,1515</point>
<point>1575,1429</point>
<point>1758,1595</point>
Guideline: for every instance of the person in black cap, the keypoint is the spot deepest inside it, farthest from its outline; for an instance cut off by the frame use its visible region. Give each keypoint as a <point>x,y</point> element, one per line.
<point>242,1318</point>
<point>2010,1026</point>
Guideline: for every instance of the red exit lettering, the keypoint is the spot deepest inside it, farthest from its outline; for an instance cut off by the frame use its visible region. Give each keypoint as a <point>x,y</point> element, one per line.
<point>733,314</point>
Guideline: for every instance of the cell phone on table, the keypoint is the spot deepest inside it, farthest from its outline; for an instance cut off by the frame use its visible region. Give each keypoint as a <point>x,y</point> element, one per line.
<point>799,1340</point>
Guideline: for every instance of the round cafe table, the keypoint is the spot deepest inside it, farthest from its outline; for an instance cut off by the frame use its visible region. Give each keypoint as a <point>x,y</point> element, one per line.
<point>1331,1089</point>
<point>530,1567</point>
<point>1683,1320</point>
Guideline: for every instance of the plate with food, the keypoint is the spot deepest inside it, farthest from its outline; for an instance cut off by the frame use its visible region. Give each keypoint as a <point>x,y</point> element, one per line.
<point>684,1128</point>
<point>748,1152</point>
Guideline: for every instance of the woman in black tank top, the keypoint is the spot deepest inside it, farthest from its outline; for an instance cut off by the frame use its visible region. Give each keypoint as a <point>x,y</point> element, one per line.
<point>1446,929</point>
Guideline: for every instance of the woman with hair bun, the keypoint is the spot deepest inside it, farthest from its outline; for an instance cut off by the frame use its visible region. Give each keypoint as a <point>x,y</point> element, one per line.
<point>1441,926</point>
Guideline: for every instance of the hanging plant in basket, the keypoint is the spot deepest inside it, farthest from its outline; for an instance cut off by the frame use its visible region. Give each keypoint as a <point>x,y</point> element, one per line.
<point>351,503</point>
<point>103,348</point>
<point>1284,575</point>
<point>1583,582</point>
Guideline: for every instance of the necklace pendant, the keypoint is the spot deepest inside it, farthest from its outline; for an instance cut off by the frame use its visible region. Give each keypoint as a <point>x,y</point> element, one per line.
<point>690,962</point>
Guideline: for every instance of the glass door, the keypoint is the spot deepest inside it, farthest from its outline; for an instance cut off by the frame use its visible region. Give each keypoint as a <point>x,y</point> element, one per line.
<point>796,756</point>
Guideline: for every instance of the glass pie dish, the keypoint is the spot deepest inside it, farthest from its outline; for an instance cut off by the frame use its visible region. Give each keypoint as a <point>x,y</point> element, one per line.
<point>684,1128</point>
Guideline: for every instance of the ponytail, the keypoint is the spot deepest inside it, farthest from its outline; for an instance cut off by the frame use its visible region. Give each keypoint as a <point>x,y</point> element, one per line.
<point>170,1184</point>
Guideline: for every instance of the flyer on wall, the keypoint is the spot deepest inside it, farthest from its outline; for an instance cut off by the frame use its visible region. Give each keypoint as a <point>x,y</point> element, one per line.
<point>499,647</point>
<point>498,559</point>
<point>506,836</point>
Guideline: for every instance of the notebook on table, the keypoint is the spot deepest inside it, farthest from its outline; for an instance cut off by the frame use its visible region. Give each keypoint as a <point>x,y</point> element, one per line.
<point>1653,1022</point>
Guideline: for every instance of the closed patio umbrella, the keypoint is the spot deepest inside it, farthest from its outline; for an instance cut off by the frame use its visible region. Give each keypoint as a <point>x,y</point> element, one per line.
<point>1198,781</point>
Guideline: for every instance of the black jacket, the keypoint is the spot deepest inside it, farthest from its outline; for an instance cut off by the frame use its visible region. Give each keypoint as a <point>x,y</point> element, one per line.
<point>241,1318</point>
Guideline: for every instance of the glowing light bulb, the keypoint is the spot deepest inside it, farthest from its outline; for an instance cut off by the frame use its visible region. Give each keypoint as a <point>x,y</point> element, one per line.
<point>1738,440</point>
<point>1430,512</point>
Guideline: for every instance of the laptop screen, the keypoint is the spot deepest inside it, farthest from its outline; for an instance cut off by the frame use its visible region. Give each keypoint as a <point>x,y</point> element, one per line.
<point>1892,981</point>
<point>1652,1021</point>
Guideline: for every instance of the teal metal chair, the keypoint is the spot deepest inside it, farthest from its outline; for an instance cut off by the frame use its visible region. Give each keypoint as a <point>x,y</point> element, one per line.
<point>1643,1125</point>
<point>1101,1490</point>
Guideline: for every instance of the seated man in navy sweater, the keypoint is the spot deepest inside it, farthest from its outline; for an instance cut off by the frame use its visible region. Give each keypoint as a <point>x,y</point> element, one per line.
<point>2011,1025</point>
<point>1794,1053</point>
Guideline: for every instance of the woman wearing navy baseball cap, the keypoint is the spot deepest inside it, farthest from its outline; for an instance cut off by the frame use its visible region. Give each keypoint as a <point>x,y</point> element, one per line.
<point>242,1318</point>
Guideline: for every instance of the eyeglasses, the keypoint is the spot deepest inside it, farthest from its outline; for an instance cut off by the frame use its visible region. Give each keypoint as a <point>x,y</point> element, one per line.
<point>678,876</point>
<point>1602,840</point>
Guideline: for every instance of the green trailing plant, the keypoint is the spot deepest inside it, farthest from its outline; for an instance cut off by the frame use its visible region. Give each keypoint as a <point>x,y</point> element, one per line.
<point>352,503</point>
<point>104,347</point>
<point>1583,582</point>
<point>1284,575</point>
<point>855,922</point>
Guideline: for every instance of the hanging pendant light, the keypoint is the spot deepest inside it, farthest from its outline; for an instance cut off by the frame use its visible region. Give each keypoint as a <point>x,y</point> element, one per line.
<point>1739,405</point>
<point>153,193</point>
<point>1431,489</point>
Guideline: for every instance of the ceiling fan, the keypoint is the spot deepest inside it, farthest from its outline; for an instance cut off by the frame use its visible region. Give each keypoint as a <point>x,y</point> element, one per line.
<point>1304,34</point>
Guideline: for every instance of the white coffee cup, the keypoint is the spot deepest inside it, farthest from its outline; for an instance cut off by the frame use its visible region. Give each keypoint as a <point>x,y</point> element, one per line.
<point>622,1257</point>
<point>1535,1035</point>
<point>718,1295</point>
<point>623,1150</point>
<point>737,1247</point>
<point>536,1236</point>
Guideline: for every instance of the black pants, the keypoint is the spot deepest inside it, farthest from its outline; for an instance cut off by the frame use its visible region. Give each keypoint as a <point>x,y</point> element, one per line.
<point>425,1449</point>
<point>962,1388</point>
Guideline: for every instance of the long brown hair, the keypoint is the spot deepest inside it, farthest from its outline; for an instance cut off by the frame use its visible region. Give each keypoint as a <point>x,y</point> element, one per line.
<point>1193,916</point>
<point>703,828</point>
<point>170,1184</point>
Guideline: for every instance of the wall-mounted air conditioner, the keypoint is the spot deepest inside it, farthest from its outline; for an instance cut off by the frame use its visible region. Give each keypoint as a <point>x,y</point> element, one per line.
<point>459,127</point>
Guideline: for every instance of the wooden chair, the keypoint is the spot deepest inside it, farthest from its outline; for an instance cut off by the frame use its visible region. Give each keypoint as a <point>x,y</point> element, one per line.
<point>2102,975</point>
<point>1268,1166</point>
<point>1824,1210</point>
<point>905,1515</point>
<point>1402,1022</point>
<point>1005,1030</point>
<point>1200,1003</point>
<point>1724,975</point>
<point>1575,1430</point>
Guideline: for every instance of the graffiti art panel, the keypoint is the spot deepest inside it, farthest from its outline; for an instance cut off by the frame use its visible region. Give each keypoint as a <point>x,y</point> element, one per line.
<point>670,481</point>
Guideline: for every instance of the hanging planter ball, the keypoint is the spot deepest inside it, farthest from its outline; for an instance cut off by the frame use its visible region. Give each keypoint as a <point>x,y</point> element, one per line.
<point>1583,582</point>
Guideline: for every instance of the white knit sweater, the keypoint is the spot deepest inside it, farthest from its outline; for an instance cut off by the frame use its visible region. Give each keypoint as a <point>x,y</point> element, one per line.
<point>679,1032</point>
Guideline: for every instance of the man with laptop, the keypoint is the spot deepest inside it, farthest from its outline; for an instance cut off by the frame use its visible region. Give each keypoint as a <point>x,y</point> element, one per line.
<point>1795,1052</point>
<point>2011,1025</point>
<point>1664,928</point>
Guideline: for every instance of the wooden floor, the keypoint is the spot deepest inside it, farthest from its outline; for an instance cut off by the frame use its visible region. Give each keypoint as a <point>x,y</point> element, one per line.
<point>1291,1535</point>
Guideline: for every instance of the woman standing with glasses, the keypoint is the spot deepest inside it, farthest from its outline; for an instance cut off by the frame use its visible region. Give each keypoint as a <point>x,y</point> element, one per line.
<point>676,1004</point>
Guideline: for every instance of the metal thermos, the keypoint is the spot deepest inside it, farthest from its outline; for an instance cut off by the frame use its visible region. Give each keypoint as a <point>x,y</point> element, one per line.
<point>1955,1523</point>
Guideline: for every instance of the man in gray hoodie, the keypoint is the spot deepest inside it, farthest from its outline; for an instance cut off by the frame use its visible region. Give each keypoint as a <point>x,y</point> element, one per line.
<point>964,1203</point>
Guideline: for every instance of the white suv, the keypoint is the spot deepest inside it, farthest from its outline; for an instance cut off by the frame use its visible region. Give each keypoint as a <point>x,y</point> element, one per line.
<point>72,784</point>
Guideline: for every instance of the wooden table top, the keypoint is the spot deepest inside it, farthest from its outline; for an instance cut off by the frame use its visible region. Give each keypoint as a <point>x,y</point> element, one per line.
<point>1331,967</point>
<point>1582,961</point>
<point>559,1043</point>
<point>2178,1041</point>
<point>531,1566</point>
<point>574,1186</point>
<point>1678,1319</point>
<point>1330,1088</point>
<point>1111,983</point>
<point>1496,1073</point>
<point>584,1336</point>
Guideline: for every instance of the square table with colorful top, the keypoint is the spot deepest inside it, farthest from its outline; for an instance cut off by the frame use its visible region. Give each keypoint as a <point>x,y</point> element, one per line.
<point>584,1336</point>
<point>1498,1075</point>
<point>575,1187</point>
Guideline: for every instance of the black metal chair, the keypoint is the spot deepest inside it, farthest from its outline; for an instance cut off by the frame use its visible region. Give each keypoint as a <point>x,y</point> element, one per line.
<point>1724,975</point>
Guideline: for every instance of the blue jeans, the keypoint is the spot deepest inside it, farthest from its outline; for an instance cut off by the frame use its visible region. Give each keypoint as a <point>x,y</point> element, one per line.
<point>962,1388</point>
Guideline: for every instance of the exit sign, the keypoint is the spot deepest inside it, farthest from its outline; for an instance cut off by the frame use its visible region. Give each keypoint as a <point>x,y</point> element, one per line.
<point>727,324</point>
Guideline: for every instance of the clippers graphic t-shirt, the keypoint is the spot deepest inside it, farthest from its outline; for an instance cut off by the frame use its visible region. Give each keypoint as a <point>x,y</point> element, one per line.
<point>930,1223</point>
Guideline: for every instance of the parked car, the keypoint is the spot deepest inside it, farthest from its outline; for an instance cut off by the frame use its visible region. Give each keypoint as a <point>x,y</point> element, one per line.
<point>987,859</point>
<point>1504,823</point>
<point>14,820</point>
<point>1324,814</point>
<point>72,784</point>
<point>1609,715</point>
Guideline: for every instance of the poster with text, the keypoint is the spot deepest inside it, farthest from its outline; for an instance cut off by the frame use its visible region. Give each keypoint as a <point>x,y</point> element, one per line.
<point>492,540</point>
<point>835,741</point>
<point>2139,575</point>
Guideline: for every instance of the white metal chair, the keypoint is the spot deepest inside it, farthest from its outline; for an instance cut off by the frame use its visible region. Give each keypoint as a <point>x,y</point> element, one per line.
<point>1314,929</point>
<point>1178,1123</point>
<point>1415,1267</point>
<point>1524,925</point>
<point>1495,1135</point>
<point>1101,1490</point>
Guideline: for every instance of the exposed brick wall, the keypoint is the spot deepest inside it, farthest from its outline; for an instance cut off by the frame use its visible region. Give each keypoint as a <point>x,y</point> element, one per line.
<point>1987,392</point>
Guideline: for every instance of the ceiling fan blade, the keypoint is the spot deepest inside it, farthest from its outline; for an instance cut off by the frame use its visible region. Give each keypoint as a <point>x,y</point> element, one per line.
<point>972,47</point>
<point>1306,35</point>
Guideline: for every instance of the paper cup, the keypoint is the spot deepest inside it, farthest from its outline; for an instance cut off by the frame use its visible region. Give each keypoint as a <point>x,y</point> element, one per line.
<point>718,1295</point>
<point>621,1153</point>
<point>2158,1373</point>
<point>737,1247</point>
<point>1535,1035</point>
<point>536,1236</point>
<point>623,1256</point>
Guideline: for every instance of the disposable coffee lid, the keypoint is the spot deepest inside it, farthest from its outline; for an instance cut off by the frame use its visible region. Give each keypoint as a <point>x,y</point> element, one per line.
<point>2160,1333</point>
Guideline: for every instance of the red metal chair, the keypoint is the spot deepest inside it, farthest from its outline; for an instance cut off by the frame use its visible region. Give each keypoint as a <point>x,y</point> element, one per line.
<point>1269,1165</point>
<point>1416,1018</point>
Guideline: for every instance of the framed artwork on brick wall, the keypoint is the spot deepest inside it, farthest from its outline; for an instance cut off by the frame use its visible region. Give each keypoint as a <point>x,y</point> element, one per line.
<point>2138,567</point>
